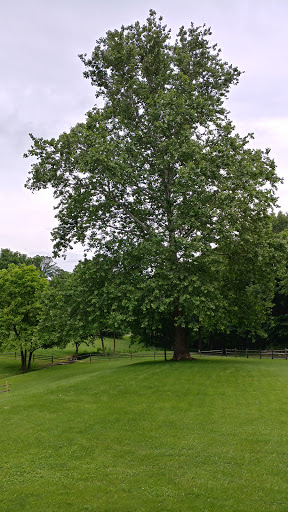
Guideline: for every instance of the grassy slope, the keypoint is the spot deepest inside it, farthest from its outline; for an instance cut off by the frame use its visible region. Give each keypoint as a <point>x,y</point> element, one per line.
<point>122,345</point>
<point>206,435</point>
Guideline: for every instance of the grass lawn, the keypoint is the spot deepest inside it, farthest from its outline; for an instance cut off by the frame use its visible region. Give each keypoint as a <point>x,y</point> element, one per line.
<point>129,436</point>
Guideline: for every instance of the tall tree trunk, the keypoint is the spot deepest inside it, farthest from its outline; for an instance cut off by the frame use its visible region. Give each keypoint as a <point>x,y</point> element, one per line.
<point>200,339</point>
<point>23,360</point>
<point>29,360</point>
<point>180,347</point>
<point>102,342</point>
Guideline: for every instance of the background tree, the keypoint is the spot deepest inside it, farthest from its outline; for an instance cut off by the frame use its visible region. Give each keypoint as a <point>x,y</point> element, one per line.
<point>80,306</point>
<point>8,257</point>
<point>278,331</point>
<point>63,318</point>
<point>44,263</point>
<point>159,168</point>
<point>279,222</point>
<point>47,266</point>
<point>100,282</point>
<point>20,294</point>
<point>255,291</point>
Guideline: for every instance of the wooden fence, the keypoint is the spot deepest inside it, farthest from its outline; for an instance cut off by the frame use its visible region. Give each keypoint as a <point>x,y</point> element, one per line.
<point>261,354</point>
<point>156,354</point>
<point>6,386</point>
<point>49,359</point>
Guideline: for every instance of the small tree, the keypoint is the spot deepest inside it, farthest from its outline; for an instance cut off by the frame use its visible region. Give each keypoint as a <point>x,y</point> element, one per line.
<point>20,293</point>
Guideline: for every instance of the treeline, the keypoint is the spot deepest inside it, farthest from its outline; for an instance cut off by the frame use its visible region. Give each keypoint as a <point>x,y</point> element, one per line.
<point>272,332</point>
<point>44,306</point>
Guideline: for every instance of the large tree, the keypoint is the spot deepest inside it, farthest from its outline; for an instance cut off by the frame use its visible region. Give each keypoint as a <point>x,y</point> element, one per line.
<point>20,294</point>
<point>157,170</point>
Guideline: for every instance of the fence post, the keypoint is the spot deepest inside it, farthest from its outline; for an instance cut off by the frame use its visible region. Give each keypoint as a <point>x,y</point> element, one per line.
<point>260,354</point>
<point>235,350</point>
<point>52,359</point>
<point>272,355</point>
<point>247,353</point>
<point>286,354</point>
<point>90,358</point>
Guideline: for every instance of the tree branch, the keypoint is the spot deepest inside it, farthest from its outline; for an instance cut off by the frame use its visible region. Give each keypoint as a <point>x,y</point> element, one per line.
<point>15,330</point>
<point>144,226</point>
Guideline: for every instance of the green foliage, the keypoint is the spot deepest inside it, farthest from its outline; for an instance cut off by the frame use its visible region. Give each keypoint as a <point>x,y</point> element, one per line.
<point>100,297</point>
<point>158,175</point>
<point>279,222</point>
<point>44,263</point>
<point>279,328</point>
<point>20,294</point>
<point>63,317</point>
<point>8,257</point>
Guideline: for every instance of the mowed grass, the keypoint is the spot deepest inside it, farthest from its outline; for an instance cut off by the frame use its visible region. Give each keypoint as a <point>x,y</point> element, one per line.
<point>126,436</point>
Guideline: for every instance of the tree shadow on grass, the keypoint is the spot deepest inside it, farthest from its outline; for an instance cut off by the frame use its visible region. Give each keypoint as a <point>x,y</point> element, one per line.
<point>189,362</point>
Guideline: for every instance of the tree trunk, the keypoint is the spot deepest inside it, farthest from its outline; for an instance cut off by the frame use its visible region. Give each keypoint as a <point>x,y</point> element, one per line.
<point>102,342</point>
<point>29,360</point>
<point>180,347</point>
<point>200,340</point>
<point>23,360</point>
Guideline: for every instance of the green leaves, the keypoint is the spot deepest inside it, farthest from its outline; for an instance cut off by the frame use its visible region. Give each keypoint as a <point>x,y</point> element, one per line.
<point>20,294</point>
<point>44,263</point>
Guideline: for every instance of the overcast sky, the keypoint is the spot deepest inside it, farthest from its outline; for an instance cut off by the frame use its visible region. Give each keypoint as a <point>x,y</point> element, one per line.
<point>42,89</point>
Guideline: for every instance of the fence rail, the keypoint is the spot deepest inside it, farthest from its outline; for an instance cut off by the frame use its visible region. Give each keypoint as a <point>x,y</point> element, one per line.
<point>156,354</point>
<point>6,386</point>
<point>50,359</point>
<point>261,354</point>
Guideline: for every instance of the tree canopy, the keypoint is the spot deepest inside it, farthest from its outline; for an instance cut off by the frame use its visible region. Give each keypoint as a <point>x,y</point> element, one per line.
<point>157,172</point>
<point>44,263</point>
